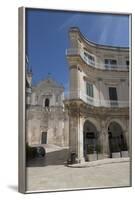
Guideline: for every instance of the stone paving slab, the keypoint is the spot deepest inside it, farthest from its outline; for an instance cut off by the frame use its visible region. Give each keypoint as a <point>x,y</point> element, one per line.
<point>60,177</point>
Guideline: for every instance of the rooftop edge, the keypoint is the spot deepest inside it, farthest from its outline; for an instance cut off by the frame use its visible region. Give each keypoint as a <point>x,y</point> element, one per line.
<point>76,29</point>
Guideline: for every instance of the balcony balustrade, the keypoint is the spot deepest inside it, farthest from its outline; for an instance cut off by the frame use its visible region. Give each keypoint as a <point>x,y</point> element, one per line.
<point>102,66</point>
<point>95,102</point>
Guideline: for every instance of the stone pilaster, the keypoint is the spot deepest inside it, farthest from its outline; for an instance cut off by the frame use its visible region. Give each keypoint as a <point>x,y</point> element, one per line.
<point>74,82</point>
<point>126,135</point>
<point>105,143</point>
<point>73,134</point>
<point>104,140</point>
<point>80,140</point>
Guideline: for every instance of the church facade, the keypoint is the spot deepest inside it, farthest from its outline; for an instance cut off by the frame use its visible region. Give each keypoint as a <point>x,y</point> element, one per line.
<point>94,115</point>
<point>47,121</point>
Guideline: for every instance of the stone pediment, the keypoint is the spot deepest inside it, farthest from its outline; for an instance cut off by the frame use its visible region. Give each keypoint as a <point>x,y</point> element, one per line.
<point>48,84</point>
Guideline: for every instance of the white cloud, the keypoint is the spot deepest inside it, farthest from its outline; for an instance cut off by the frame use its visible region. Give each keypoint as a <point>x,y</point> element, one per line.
<point>71,20</point>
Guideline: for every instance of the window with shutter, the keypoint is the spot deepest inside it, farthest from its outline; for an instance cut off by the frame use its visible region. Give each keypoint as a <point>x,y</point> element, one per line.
<point>113,96</point>
<point>89,89</point>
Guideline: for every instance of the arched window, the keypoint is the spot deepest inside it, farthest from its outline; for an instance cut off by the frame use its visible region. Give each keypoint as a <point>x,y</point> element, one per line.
<point>47,102</point>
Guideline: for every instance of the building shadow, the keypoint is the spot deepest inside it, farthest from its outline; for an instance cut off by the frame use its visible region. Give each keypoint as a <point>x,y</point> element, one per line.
<point>58,157</point>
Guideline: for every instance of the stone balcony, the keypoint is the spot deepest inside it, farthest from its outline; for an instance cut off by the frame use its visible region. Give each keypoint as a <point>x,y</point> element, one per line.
<point>102,66</point>
<point>95,102</point>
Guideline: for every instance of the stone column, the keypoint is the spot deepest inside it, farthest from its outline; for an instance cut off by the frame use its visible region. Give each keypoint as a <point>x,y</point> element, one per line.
<point>74,81</point>
<point>99,90</point>
<point>73,134</point>
<point>76,134</point>
<point>105,144</point>
<point>80,140</point>
<point>104,140</point>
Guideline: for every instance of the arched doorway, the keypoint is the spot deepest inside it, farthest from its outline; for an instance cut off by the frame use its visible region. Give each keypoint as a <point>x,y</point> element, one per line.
<point>117,141</point>
<point>90,138</point>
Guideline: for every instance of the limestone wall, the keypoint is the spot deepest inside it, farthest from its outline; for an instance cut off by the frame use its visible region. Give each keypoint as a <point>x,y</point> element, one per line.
<point>41,120</point>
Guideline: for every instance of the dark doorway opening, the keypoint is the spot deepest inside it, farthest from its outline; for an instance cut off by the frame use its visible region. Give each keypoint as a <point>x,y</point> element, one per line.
<point>47,102</point>
<point>44,138</point>
<point>90,138</point>
<point>117,141</point>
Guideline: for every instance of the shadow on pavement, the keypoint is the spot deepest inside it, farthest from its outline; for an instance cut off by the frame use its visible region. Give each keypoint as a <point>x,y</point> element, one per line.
<point>52,158</point>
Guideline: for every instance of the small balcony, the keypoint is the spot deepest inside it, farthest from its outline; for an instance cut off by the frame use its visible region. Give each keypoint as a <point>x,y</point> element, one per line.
<point>102,66</point>
<point>95,102</point>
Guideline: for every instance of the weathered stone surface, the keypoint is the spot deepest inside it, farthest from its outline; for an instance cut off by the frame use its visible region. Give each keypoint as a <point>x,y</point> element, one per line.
<point>51,118</point>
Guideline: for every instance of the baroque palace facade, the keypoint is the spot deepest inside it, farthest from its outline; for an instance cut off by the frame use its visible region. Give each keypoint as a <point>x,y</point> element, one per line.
<point>98,100</point>
<point>94,114</point>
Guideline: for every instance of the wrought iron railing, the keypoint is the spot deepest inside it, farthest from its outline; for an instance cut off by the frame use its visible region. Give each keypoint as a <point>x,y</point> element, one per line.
<point>93,101</point>
<point>79,52</point>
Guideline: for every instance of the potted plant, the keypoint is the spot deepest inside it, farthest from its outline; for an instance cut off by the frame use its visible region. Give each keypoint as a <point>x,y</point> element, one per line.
<point>124,150</point>
<point>91,153</point>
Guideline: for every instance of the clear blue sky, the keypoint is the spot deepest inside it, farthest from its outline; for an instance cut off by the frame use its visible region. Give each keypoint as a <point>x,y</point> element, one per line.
<point>47,38</point>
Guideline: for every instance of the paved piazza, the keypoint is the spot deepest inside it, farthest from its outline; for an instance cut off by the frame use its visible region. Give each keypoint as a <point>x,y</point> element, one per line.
<point>52,174</point>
